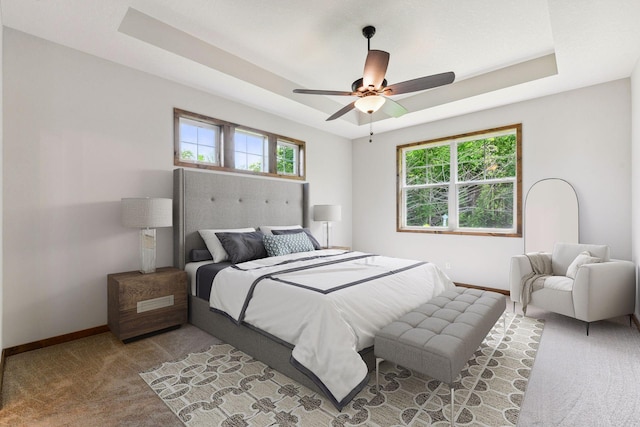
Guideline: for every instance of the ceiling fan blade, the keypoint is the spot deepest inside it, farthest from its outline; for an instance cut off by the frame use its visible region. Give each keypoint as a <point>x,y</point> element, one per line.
<point>392,108</point>
<point>323,92</point>
<point>420,83</point>
<point>342,111</point>
<point>375,67</point>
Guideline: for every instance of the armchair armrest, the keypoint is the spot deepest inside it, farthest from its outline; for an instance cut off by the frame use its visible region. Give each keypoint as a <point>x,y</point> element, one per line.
<point>520,267</point>
<point>604,290</point>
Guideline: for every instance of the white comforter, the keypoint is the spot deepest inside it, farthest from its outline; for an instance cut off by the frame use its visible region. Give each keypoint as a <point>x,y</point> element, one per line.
<point>327,328</point>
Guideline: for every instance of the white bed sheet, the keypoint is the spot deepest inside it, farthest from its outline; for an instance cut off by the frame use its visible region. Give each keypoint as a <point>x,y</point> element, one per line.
<point>327,329</point>
<point>192,268</point>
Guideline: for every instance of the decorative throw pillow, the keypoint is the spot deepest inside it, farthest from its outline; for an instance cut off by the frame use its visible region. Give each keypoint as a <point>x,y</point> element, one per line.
<point>243,247</point>
<point>314,242</point>
<point>582,258</point>
<point>197,255</point>
<point>268,229</point>
<point>214,245</point>
<point>284,244</point>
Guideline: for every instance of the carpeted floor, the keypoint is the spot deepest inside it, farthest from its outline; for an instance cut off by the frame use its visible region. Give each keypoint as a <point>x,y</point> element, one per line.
<point>576,380</point>
<point>581,380</point>
<point>93,381</point>
<point>224,387</point>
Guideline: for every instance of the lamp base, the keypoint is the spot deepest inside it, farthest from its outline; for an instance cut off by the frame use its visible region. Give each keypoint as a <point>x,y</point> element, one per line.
<point>147,250</point>
<point>327,234</point>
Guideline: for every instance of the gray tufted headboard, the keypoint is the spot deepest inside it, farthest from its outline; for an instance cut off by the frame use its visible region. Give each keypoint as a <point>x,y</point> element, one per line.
<point>209,200</point>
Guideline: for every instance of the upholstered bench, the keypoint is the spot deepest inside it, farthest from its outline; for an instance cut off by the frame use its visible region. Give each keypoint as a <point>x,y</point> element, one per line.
<point>439,337</point>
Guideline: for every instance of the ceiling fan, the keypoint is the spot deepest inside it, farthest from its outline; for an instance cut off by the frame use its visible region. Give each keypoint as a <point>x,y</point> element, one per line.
<point>372,89</point>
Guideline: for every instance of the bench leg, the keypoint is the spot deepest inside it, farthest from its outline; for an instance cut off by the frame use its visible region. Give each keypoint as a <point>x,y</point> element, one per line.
<point>453,413</point>
<point>504,325</point>
<point>378,360</point>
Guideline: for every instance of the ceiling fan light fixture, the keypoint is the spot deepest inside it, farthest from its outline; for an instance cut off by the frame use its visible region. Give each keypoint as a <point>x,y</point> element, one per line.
<point>369,104</point>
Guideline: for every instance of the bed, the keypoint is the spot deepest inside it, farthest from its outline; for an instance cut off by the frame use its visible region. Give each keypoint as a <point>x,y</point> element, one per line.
<point>204,200</point>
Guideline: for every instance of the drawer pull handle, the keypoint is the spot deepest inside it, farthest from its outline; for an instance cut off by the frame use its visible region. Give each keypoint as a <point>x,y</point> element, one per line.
<point>155,303</point>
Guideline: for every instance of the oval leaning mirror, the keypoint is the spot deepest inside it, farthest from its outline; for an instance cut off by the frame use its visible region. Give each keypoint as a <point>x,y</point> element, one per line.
<point>551,215</point>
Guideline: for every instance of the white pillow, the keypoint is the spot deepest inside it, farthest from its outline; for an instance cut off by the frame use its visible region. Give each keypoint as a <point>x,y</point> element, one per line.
<point>582,258</point>
<point>266,229</point>
<point>213,243</point>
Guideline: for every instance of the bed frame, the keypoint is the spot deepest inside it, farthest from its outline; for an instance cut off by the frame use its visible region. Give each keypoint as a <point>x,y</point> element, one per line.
<point>208,200</point>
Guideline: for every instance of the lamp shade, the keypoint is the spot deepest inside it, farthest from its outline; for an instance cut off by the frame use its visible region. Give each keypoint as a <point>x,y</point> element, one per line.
<point>147,212</point>
<point>369,104</point>
<point>327,213</point>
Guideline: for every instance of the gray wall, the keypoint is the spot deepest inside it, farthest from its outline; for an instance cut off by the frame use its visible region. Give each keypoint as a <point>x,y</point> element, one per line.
<point>635,177</point>
<point>582,136</point>
<point>81,133</point>
<point>1,180</point>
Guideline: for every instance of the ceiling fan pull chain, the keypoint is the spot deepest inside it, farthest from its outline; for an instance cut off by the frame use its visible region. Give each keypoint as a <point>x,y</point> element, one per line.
<point>370,127</point>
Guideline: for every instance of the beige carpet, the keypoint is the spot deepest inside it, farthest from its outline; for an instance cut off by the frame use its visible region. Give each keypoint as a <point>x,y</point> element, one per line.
<point>93,381</point>
<point>225,387</point>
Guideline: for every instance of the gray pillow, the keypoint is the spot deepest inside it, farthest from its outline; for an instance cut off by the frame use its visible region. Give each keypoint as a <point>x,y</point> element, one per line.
<point>243,247</point>
<point>200,255</point>
<point>315,243</point>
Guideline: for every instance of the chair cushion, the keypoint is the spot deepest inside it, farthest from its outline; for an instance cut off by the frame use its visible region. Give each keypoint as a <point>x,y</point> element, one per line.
<point>565,253</point>
<point>559,283</point>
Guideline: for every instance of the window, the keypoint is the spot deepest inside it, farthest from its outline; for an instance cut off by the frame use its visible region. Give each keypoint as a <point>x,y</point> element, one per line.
<point>464,184</point>
<point>199,142</point>
<point>288,158</point>
<point>251,151</point>
<point>205,142</point>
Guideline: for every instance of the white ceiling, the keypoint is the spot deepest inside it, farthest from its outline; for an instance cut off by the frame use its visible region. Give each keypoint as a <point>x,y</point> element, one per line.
<point>256,51</point>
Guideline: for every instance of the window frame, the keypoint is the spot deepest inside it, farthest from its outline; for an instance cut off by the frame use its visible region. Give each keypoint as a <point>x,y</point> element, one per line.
<point>226,148</point>
<point>454,184</point>
<point>298,165</point>
<point>264,156</point>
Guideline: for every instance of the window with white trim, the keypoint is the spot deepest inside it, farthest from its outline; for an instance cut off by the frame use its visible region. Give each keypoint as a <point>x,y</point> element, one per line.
<point>288,158</point>
<point>207,143</point>
<point>463,184</point>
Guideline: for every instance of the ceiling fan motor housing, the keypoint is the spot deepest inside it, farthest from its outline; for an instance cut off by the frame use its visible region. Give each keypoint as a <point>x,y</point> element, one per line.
<point>357,86</point>
<point>368,31</point>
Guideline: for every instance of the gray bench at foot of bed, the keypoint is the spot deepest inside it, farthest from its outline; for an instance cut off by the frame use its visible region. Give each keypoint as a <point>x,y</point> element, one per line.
<point>439,337</point>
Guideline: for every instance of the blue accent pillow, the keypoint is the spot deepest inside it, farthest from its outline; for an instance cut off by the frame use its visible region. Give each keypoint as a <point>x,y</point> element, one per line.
<point>285,244</point>
<point>313,240</point>
<point>243,247</point>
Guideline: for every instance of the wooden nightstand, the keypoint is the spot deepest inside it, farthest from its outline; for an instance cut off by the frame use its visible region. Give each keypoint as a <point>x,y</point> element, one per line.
<point>143,303</point>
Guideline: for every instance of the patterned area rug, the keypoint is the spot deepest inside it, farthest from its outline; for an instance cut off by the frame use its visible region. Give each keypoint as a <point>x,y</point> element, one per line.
<point>223,386</point>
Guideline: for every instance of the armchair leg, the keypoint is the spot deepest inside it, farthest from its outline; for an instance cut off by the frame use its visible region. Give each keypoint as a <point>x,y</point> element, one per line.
<point>514,306</point>
<point>588,323</point>
<point>630,320</point>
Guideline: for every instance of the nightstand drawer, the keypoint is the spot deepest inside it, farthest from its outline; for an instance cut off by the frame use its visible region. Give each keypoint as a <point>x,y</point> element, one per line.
<point>143,303</point>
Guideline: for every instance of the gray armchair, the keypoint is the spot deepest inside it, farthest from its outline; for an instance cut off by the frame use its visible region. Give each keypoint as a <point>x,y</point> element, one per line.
<point>596,291</point>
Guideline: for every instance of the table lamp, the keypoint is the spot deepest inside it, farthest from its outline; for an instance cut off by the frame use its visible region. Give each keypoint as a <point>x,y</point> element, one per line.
<point>327,214</point>
<point>147,214</point>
